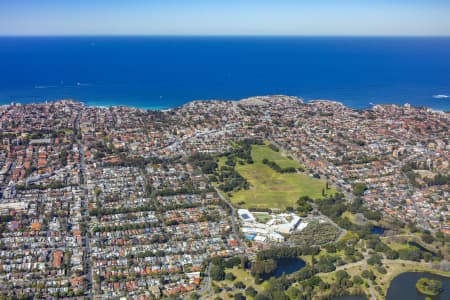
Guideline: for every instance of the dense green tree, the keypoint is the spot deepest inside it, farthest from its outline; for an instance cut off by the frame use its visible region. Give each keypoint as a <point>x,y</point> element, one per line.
<point>217,273</point>
<point>305,273</point>
<point>293,292</point>
<point>331,248</point>
<point>239,285</point>
<point>359,188</point>
<point>239,296</point>
<point>392,254</point>
<point>375,260</point>
<point>368,275</point>
<point>251,291</point>
<point>205,162</point>
<point>303,205</point>
<point>427,238</point>
<point>413,254</point>
<point>263,268</point>
<point>262,296</point>
<point>357,280</point>
<point>230,276</point>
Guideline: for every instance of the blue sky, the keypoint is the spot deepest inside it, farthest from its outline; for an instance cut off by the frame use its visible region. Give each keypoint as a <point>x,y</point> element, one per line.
<point>225,17</point>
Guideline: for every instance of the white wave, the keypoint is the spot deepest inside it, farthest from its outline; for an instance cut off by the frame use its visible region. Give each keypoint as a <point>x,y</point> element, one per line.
<point>441,96</point>
<point>44,86</point>
<point>83,84</point>
<point>77,84</point>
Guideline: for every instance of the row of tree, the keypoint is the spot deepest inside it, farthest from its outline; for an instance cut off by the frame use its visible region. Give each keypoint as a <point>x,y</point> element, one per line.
<point>274,166</point>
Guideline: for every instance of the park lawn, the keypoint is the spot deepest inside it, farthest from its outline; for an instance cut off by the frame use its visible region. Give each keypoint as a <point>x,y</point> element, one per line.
<point>395,245</point>
<point>259,152</point>
<point>350,235</point>
<point>352,218</point>
<point>349,216</point>
<point>330,278</point>
<point>270,189</point>
<point>243,276</point>
<point>308,258</point>
<point>221,162</point>
<point>398,243</point>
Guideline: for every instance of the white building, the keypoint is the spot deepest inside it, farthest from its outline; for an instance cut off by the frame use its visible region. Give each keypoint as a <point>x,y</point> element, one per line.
<point>246,216</point>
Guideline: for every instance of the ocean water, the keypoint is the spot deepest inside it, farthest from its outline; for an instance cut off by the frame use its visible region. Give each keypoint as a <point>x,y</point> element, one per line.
<point>162,72</point>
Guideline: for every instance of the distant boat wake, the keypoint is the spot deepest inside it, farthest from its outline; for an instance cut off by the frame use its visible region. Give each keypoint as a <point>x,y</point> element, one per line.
<point>78,84</point>
<point>441,96</point>
<point>45,86</point>
<point>83,84</point>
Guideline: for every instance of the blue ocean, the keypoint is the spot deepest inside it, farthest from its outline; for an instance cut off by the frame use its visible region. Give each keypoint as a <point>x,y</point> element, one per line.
<point>162,72</point>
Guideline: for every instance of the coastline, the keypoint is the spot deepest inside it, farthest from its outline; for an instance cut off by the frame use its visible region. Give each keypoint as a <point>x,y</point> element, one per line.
<point>158,107</point>
<point>101,104</point>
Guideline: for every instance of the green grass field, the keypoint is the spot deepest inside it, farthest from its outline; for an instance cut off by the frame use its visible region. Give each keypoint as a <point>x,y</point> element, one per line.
<point>270,189</point>
<point>259,152</point>
<point>262,217</point>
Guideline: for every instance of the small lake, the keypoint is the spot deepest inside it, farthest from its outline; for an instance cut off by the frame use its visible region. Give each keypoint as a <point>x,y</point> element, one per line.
<point>403,287</point>
<point>421,248</point>
<point>377,230</point>
<point>288,266</point>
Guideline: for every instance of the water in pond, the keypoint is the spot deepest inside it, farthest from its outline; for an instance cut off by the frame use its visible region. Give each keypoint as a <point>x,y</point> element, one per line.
<point>403,287</point>
<point>421,248</point>
<point>288,266</point>
<point>377,230</point>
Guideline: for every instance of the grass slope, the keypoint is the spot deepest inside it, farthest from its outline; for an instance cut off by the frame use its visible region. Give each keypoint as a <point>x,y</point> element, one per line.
<point>270,189</point>
<point>259,152</point>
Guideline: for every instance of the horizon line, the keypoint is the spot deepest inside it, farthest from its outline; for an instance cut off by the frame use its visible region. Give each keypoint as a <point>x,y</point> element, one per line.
<point>217,36</point>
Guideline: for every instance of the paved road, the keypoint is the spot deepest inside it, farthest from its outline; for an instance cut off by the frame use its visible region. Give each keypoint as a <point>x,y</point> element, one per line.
<point>84,211</point>
<point>206,287</point>
<point>234,225</point>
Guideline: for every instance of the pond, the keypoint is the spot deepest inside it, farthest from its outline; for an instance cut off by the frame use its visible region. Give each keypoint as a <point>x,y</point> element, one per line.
<point>377,230</point>
<point>421,248</point>
<point>403,287</point>
<point>288,266</point>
